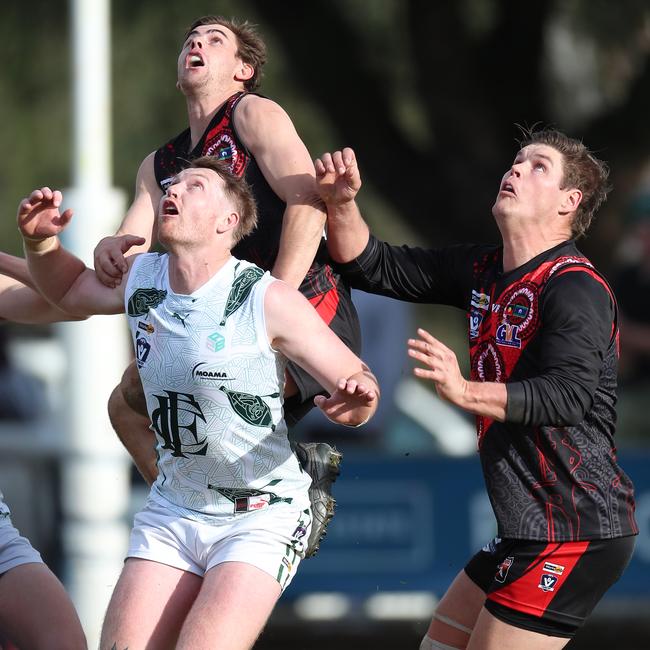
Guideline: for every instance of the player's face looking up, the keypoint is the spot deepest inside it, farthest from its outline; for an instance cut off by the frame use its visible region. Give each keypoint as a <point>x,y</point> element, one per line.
<point>194,208</point>
<point>532,189</point>
<point>208,56</point>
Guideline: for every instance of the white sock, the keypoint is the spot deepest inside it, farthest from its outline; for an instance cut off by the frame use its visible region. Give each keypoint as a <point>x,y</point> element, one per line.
<point>430,644</point>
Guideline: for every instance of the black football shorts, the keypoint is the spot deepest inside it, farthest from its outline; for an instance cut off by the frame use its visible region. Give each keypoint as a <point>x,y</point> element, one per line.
<point>548,587</point>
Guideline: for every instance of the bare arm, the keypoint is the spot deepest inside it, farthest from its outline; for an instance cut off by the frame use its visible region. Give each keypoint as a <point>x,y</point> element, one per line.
<point>60,276</point>
<point>16,268</point>
<point>488,399</point>
<point>269,134</point>
<point>338,180</point>
<point>22,304</point>
<point>139,221</point>
<point>295,329</point>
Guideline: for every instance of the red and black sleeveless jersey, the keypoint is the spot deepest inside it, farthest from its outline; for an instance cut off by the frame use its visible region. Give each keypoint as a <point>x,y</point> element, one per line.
<point>548,330</point>
<point>261,246</point>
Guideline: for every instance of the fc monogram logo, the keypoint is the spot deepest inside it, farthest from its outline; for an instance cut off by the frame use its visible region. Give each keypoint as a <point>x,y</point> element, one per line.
<point>175,421</point>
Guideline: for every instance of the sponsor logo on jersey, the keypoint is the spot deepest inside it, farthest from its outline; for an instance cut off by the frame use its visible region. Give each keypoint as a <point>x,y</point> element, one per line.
<point>549,567</point>
<point>202,371</point>
<point>520,308</point>
<point>216,342</point>
<point>480,300</point>
<point>142,349</point>
<point>504,567</point>
<point>246,504</point>
<point>547,582</point>
<point>495,307</point>
<point>475,320</point>
<point>147,327</point>
<point>508,335</point>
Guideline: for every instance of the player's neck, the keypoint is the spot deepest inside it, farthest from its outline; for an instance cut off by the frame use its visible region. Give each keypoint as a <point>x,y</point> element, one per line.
<point>202,108</point>
<point>521,247</point>
<point>190,270</point>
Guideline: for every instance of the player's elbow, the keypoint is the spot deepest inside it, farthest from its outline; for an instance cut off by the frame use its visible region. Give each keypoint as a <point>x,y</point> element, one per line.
<point>553,401</point>
<point>569,406</point>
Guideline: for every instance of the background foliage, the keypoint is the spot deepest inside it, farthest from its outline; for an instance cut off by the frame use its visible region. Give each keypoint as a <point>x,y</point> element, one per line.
<point>428,93</point>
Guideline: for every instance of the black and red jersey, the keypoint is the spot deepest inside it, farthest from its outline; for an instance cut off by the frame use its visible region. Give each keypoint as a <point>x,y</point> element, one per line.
<point>261,246</point>
<point>548,330</point>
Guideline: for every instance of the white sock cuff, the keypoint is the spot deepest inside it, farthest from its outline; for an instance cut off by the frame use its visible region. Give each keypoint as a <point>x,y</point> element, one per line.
<point>430,644</point>
<point>448,621</point>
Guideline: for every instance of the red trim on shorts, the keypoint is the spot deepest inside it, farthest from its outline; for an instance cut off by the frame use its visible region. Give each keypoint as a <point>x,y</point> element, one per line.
<point>326,304</point>
<point>526,594</point>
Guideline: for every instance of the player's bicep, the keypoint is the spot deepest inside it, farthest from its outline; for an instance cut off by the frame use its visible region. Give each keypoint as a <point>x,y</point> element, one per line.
<point>295,329</point>
<point>283,157</point>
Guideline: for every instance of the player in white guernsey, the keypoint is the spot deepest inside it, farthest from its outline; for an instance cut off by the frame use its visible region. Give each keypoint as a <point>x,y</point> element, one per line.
<point>223,530</point>
<point>24,578</point>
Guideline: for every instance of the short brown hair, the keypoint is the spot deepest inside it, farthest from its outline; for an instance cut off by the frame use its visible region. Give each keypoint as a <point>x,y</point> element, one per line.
<point>251,48</point>
<point>236,190</point>
<point>581,169</point>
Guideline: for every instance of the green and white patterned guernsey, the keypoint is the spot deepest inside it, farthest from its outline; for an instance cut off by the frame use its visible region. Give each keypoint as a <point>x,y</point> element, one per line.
<point>214,392</point>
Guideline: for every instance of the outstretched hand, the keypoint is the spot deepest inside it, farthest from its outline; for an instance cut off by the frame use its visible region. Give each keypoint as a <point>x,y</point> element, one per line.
<point>441,366</point>
<point>351,404</point>
<point>110,264</point>
<point>39,216</point>
<point>337,176</point>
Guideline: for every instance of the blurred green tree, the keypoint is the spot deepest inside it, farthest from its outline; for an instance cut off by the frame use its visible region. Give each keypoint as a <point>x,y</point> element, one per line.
<point>427,93</point>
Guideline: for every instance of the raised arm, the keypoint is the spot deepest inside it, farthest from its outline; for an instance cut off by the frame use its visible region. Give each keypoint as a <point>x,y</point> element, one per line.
<point>295,329</point>
<point>60,276</point>
<point>110,262</point>
<point>338,181</point>
<point>16,268</point>
<point>22,304</point>
<point>269,134</point>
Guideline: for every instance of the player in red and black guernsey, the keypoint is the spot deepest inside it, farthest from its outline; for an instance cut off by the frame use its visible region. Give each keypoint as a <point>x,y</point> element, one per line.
<point>543,340</point>
<point>218,68</point>
<point>321,285</point>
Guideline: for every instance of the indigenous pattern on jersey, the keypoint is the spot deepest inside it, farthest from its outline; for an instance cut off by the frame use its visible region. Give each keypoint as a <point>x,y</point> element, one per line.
<point>548,330</point>
<point>321,284</point>
<point>213,387</point>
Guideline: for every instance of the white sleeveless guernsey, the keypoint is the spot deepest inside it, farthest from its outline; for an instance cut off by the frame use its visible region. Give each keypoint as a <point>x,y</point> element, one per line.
<point>214,387</point>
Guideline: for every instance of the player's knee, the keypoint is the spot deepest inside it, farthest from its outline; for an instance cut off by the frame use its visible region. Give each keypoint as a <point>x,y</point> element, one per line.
<point>70,636</point>
<point>69,642</point>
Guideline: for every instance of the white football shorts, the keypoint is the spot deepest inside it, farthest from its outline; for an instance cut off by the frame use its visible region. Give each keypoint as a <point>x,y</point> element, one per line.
<point>14,549</point>
<point>273,539</point>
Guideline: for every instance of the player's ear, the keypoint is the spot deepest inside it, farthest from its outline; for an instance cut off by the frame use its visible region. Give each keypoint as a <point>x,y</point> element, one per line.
<point>244,72</point>
<point>572,199</point>
<point>228,222</point>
